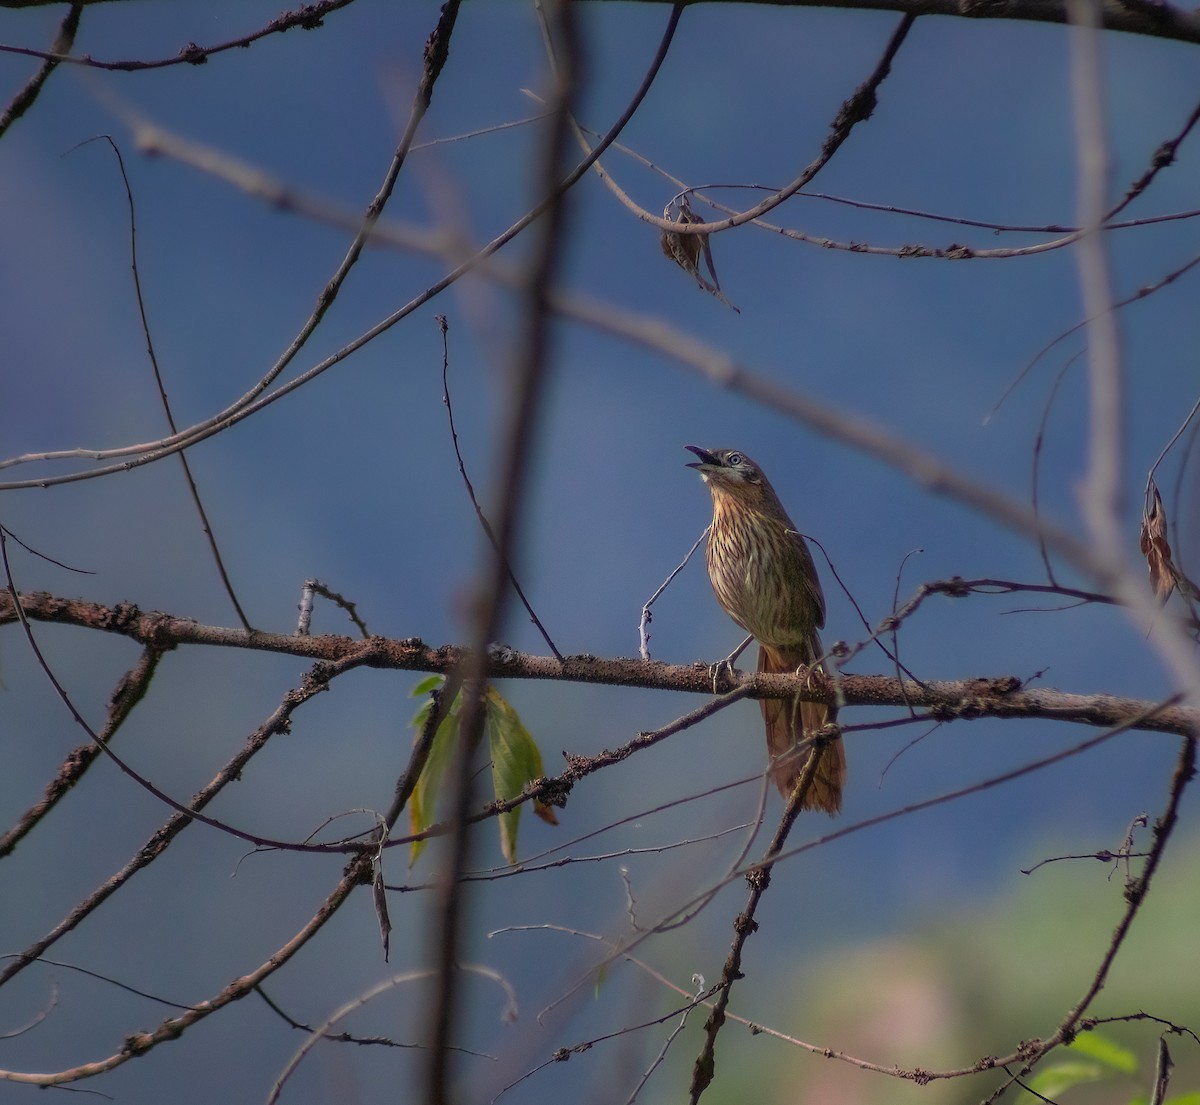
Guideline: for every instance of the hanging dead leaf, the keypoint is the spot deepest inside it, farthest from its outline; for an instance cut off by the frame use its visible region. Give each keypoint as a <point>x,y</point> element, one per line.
<point>685,249</point>
<point>1164,575</point>
<point>545,812</point>
<point>379,894</point>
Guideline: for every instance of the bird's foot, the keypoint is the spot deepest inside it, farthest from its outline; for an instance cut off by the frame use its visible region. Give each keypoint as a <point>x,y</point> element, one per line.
<point>720,668</point>
<point>726,666</point>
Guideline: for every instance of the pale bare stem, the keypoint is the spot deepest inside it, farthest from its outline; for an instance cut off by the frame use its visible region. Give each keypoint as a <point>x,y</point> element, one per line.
<point>686,916</point>
<point>666,1044</point>
<point>563,1053</point>
<point>314,587</point>
<point>644,624</point>
<point>305,606</point>
<point>1162,1073</point>
<point>1102,494</point>
<point>527,378</point>
<point>37,1018</point>
<point>346,1037</point>
<point>532,863</point>
<point>630,899</point>
<point>324,1030</point>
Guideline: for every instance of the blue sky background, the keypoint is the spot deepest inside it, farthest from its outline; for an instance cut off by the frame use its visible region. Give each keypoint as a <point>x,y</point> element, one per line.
<point>353,480</point>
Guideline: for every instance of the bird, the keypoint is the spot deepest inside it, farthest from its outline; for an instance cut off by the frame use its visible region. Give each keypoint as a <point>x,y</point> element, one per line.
<point>764,577</point>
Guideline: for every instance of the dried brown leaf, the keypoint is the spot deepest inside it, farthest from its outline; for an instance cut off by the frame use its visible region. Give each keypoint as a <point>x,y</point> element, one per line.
<point>545,812</point>
<point>685,249</point>
<point>1164,575</point>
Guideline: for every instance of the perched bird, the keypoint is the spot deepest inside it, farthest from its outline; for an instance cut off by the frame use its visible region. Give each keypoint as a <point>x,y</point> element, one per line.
<point>764,577</point>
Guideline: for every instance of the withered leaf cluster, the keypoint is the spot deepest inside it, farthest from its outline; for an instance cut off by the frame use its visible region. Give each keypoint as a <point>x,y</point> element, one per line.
<point>1164,574</point>
<point>685,249</point>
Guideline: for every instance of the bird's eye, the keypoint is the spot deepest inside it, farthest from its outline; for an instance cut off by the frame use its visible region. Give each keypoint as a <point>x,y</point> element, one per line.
<point>734,459</point>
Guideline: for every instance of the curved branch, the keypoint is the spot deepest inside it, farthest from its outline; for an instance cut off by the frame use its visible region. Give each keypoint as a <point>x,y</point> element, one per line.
<point>1148,17</point>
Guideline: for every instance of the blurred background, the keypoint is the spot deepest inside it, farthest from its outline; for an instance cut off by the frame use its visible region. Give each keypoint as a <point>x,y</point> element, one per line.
<point>917,943</point>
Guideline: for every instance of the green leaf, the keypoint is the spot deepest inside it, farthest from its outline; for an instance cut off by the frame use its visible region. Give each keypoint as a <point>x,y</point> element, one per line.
<point>516,761</point>
<point>601,978</point>
<point>1055,1080</point>
<point>422,806</point>
<point>1192,1098</point>
<point>1104,1051</point>
<point>429,683</point>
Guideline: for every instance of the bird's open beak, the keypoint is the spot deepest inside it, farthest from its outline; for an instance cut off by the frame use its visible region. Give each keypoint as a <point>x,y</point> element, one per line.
<point>707,460</point>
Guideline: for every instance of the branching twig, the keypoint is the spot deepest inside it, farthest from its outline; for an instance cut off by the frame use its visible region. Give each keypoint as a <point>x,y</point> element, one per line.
<point>128,692</point>
<point>856,109</point>
<point>64,39</point>
<point>644,623</point>
<point>759,879</point>
<point>1135,894</point>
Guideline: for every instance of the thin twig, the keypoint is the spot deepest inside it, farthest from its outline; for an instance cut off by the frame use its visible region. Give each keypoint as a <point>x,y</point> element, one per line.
<point>444,326</point>
<point>205,524</point>
<point>644,624</point>
<point>308,16</point>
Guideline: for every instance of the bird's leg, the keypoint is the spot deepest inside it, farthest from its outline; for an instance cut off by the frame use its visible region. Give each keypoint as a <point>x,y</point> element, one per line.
<point>726,665</point>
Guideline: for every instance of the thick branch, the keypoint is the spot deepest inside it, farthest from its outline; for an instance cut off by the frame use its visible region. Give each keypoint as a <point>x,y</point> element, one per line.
<point>1002,696</point>
<point>1141,17</point>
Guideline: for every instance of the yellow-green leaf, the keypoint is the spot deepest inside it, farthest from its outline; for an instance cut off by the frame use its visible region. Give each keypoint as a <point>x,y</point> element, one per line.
<point>516,761</point>
<point>422,805</point>
<point>1105,1051</point>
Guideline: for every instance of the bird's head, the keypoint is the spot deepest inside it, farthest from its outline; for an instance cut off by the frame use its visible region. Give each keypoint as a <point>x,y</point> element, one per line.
<point>727,470</point>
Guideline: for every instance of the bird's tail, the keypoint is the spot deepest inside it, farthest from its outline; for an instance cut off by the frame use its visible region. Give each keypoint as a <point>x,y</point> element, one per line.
<point>792,721</point>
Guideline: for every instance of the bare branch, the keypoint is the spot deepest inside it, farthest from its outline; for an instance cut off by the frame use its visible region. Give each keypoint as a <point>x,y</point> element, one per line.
<point>1160,20</point>
<point>1001,696</point>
